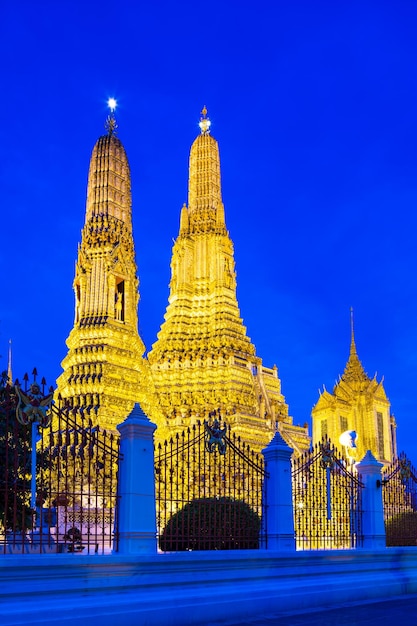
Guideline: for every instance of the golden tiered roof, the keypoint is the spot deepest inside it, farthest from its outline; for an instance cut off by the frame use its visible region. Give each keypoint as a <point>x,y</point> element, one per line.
<point>358,403</point>
<point>104,371</point>
<point>203,359</point>
<point>354,372</point>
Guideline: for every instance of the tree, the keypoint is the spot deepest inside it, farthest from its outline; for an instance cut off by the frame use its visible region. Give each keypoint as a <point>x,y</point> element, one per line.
<point>401,529</point>
<point>15,449</point>
<point>212,524</point>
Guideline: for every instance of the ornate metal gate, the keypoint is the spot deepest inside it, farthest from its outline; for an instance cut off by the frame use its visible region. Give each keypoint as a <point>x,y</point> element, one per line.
<point>327,500</point>
<point>58,476</point>
<point>209,490</point>
<point>400,503</point>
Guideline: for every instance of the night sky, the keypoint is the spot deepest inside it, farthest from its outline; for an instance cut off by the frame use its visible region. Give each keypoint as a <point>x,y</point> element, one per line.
<point>314,106</point>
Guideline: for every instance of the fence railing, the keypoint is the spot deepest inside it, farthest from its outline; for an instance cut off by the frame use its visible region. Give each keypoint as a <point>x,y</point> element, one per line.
<point>326,500</point>
<point>59,487</point>
<point>58,477</point>
<point>208,490</point>
<point>400,502</point>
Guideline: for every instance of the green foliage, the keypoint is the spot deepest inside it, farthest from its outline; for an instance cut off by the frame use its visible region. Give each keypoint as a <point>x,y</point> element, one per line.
<point>401,529</point>
<point>15,511</point>
<point>212,524</point>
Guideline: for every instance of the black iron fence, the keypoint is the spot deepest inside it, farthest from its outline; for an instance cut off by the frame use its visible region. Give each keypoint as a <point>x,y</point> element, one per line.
<point>400,502</point>
<point>209,491</point>
<point>58,486</point>
<point>326,500</point>
<point>58,476</point>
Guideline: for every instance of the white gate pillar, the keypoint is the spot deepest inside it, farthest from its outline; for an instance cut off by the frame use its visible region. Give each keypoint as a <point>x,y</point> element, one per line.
<point>278,490</point>
<point>137,508</point>
<point>373,526</point>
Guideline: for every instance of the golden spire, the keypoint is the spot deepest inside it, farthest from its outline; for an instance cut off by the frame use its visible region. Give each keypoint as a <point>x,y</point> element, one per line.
<point>354,371</point>
<point>108,192</point>
<point>203,358</point>
<point>204,185</point>
<point>104,369</point>
<point>352,333</point>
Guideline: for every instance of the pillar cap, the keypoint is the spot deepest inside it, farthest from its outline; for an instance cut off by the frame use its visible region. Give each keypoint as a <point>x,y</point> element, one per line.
<point>277,443</point>
<point>368,461</point>
<point>136,417</point>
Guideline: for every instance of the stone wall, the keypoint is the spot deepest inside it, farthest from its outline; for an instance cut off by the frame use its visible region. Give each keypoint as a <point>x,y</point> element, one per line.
<point>194,587</point>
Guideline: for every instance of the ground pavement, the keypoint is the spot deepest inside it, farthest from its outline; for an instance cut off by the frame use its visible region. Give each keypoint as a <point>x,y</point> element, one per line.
<point>394,611</point>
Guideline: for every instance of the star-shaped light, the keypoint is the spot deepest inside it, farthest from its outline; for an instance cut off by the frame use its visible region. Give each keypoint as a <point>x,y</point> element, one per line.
<point>112,104</point>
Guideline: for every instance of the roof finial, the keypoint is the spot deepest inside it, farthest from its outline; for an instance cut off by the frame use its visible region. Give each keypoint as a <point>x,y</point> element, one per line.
<point>9,364</point>
<point>354,372</point>
<point>111,124</point>
<point>352,333</point>
<point>204,122</point>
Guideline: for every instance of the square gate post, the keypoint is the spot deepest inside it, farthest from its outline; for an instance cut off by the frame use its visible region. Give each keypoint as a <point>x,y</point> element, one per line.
<point>373,525</point>
<point>137,506</point>
<point>278,486</point>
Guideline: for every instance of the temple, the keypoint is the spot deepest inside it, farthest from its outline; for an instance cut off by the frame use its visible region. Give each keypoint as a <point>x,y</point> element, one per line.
<point>203,359</point>
<point>104,372</point>
<point>359,404</point>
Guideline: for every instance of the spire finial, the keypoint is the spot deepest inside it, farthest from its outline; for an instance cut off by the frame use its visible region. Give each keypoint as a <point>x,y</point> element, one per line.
<point>352,333</point>
<point>204,122</point>
<point>111,124</point>
<point>9,364</point>
<point>354,372</point>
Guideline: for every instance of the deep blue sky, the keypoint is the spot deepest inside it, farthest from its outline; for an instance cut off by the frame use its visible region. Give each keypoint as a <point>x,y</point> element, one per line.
<point>314,106</point>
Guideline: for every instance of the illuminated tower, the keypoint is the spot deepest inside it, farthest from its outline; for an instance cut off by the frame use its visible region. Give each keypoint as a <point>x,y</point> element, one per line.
<point>358,403</point>
<point>104,370</point>
<point>203,359</point>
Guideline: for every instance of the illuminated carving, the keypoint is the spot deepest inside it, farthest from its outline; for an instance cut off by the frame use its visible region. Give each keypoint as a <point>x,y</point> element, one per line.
<point>405,469</point>
<point>33,405</point>
<point>215,436</point>
<point>327,460</point>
